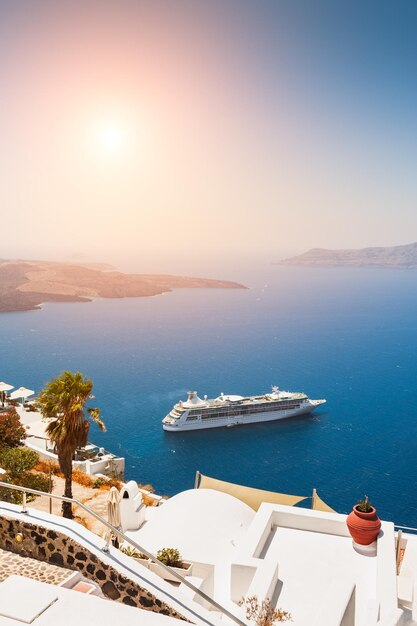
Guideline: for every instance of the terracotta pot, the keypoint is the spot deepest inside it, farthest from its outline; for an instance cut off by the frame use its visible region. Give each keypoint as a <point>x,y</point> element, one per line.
<point>363,527</point>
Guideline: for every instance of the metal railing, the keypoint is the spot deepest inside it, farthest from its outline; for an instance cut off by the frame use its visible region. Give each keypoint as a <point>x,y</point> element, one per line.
<point>396,527</point>
<point>115,531</point>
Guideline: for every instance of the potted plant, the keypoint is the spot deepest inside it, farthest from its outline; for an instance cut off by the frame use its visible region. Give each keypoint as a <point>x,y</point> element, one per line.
<point>172,558</point>
<point>363,523</point>
<point>136,555</point>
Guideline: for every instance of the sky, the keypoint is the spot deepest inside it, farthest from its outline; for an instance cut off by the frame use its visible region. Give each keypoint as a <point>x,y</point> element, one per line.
<point>166,129</point>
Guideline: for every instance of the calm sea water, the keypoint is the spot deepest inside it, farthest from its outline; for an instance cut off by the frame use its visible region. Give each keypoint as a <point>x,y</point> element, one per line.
<point>348,335</point>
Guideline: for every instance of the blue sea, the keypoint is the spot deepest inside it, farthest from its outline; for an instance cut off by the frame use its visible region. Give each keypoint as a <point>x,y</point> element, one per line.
<point>348,335</point>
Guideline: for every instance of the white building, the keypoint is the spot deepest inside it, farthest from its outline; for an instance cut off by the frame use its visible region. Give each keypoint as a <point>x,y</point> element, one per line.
<point>304,561</point>
<point>91,459</point>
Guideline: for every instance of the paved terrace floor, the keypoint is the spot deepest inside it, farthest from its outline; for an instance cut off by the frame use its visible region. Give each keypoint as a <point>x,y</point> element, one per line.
<point>309,562</point>
<point>11,563</point>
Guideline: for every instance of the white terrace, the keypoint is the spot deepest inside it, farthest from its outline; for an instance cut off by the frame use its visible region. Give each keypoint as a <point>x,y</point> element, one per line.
<point>303,560</point>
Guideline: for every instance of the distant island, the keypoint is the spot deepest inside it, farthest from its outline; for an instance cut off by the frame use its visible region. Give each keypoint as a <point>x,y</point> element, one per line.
<point>25,285</point>
<point>394,256</point>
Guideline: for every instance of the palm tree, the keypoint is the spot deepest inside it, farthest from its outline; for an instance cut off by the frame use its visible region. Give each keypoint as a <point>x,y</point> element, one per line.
<point>63,399</point>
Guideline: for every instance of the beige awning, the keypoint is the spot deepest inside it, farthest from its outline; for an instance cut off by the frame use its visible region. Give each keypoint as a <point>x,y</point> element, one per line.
<point>319,504</point>
<point>251,496</point>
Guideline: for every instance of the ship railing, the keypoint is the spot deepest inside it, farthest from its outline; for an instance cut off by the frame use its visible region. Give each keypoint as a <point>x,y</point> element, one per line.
<point>116,532</point>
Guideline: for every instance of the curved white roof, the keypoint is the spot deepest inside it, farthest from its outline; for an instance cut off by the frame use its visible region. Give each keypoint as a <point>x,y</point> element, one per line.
<point>202,524</point>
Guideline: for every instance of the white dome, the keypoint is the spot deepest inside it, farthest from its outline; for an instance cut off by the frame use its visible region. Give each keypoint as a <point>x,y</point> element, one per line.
<point>203,524</point>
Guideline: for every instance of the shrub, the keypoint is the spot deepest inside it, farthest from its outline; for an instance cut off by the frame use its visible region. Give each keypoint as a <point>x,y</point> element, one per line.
<point>148,500</point>
<point>48,467</point>
<point>17,461</point>
<point>262,613</point>
<point>40,482</point>
<point>99,482</point>
<point>12,432</point>
<point>82,478</point>
<point>170,556</point>
<point>13,497</point>
<point>147,488</point>
<point>78,476</point>
<point>114,482</point>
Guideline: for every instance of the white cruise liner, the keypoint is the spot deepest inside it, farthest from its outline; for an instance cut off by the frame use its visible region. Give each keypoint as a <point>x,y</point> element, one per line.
<point>226,410</point>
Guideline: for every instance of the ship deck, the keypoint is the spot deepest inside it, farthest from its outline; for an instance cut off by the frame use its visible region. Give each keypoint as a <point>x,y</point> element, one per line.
<point>216,402</point>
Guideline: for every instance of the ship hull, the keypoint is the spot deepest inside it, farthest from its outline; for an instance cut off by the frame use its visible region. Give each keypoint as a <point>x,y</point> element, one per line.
<point>240,420</point>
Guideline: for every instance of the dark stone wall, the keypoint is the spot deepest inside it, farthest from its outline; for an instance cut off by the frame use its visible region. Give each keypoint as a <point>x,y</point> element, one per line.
<point>56,548</point>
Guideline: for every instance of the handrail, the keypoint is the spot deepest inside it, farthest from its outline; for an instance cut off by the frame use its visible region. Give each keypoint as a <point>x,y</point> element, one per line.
<point>116,531</point>
<point>405,528</point>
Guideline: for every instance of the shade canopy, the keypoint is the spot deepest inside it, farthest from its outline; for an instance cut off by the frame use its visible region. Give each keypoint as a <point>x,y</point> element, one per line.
<point>250,495</point>
<point>22,392</point>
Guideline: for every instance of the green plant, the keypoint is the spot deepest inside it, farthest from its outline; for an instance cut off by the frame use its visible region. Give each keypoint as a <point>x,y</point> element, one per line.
<point>64,400</point>
<point>133,553</point>
<point>262,613</point>
<point>364,506</point>
<point>99,482</point>
<point>17,461</point>
<point>40,482</point>
<point>13,497</point>
<point>12,433</point>
<point>170,556</point>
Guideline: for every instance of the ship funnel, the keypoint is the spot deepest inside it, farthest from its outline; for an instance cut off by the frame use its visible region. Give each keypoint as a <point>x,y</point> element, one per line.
<point>193,400</point>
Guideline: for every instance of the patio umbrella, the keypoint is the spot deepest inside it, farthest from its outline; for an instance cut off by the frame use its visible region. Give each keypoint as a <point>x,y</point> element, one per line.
<point>3,388</point>
<point>21,394</point>
<point>113,511</point>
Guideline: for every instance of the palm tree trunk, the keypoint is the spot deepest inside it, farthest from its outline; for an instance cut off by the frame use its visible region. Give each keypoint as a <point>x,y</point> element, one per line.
<point>66,506</point>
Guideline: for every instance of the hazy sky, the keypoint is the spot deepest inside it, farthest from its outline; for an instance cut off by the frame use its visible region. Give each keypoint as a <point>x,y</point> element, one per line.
<point>196,127</point>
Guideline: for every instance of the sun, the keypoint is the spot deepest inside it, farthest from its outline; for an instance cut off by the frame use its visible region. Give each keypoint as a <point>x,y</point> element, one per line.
<point>114,139</point>
<point>111,138</point>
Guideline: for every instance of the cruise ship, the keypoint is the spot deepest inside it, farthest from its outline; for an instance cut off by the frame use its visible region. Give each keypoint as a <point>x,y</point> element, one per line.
<point>231,410</point>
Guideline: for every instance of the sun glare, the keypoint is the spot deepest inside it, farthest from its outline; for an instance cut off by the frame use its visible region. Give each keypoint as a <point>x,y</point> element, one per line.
<point>111,138</point>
